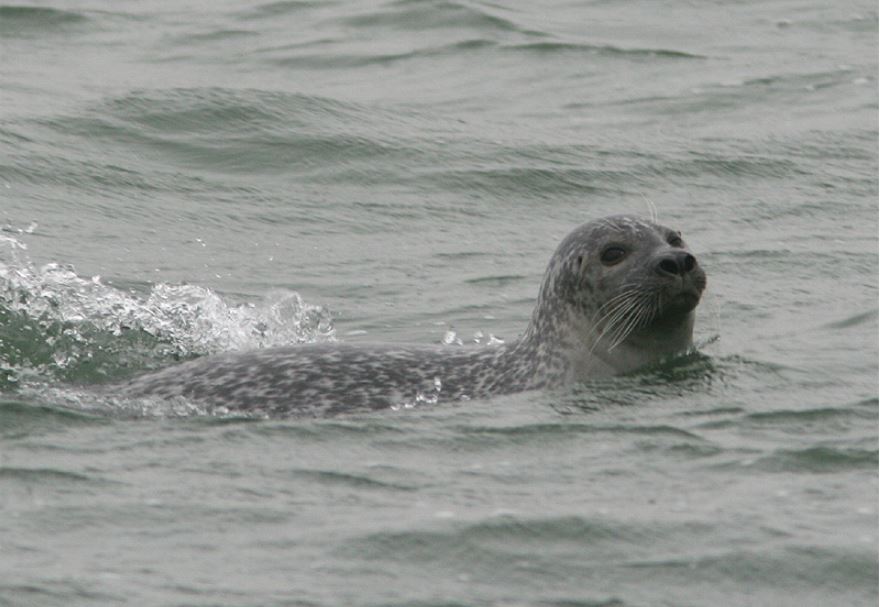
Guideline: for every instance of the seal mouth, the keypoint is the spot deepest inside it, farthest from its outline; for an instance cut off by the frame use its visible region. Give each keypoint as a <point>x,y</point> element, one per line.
<point>685,301</point>
<point>640,307</point>
<point>685,296</point>
<point>674,304</point>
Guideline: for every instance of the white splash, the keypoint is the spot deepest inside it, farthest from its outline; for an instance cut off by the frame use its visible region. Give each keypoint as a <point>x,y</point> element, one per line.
<point>74,318</point>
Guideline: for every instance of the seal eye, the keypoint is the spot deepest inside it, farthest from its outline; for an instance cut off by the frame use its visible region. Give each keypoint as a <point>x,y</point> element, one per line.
<point>675,241</point>
<point>612,255</point>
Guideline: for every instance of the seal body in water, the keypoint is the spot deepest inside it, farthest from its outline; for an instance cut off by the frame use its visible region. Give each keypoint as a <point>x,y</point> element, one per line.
<point>619,293</point>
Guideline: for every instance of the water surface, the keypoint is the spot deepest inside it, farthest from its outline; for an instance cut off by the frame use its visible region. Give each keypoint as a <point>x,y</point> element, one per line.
<point>182,180</point>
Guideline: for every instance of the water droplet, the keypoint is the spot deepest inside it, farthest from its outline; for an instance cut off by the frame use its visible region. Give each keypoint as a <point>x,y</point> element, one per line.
<point>449,338</point>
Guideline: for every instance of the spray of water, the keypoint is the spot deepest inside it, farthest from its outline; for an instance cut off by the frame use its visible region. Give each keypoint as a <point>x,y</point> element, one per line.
<point>56,325</point>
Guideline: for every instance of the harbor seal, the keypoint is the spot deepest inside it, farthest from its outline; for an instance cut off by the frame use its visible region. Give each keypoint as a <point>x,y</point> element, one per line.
<point>619,293</point>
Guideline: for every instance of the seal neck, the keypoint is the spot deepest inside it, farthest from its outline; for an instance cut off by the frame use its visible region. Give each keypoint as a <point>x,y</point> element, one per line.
<point>547,353</point>
<point>558,347</point>
<point>661,340</point>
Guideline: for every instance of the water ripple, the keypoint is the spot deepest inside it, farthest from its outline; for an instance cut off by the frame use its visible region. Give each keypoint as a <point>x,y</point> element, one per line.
<point>420,15</point>
<point>29,19</point>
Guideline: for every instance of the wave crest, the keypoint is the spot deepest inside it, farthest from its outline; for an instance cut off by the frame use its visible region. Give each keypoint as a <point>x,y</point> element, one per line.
<point>55,324</point>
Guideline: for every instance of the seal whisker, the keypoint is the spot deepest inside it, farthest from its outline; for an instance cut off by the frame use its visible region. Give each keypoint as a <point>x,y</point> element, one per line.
<point>652,208</point>
<point>614,301</point>
<point>609,326</point>
<point>630,324</point>
<point>644,313</point>
<point>650,311</point>
<point>613,310</point>
<point>620,319</point>
<point>621,299</point>
<point>624,290</point>
<point>613,315</point>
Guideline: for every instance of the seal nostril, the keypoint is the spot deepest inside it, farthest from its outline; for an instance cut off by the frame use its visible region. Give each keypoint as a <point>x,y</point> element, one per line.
<point>689,262</point>
<point>677,264</point>
<point>668,266</point>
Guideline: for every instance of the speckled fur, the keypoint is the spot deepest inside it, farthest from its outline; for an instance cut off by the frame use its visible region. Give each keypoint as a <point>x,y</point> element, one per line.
<point>558,347</point>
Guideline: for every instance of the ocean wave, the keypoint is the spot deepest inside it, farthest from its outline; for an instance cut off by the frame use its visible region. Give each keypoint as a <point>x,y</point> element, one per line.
<point>326,59</point>
<point>55,324</point>
<point>419,15</point>
<point>818,459</point>
<point>280,8</point>
<point>243,131</point>
<point>20,419</point>
<point>29,19</point>
<point>556,47</point>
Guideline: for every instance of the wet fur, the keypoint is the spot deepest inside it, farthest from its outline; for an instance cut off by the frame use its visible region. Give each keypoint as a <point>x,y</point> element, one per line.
<point>590,320</point>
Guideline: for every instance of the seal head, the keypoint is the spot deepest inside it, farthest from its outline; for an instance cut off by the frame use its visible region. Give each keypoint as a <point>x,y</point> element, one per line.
<point>618,294</point>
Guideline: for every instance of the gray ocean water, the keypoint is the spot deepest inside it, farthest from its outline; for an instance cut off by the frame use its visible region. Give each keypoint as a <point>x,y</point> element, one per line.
<point>178,179</point>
